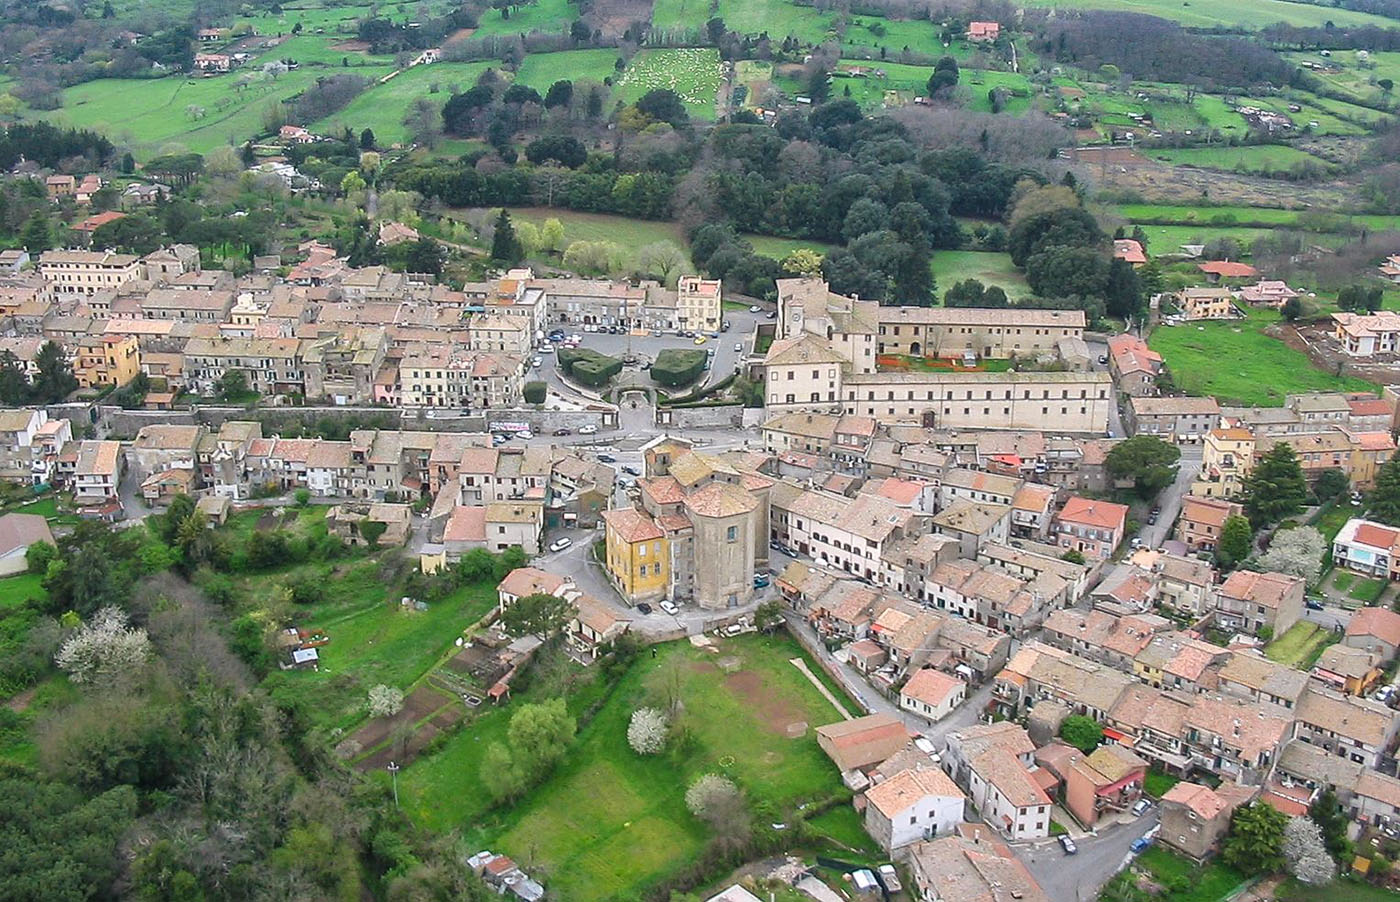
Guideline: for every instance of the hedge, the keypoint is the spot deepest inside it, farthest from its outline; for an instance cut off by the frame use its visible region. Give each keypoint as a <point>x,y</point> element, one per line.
<point>703,393</point>
<point>535,392</point>
<point>589,367</point>
<point>678,366</point>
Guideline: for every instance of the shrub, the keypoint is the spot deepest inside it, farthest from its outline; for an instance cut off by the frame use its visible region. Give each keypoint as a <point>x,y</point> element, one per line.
<point>589,367</point>
<point>535,392</point>
<point>678,366</point>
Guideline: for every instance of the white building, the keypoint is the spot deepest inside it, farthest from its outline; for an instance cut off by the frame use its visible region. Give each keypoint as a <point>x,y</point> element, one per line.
<point>932,694</point>
<point>913,805</point>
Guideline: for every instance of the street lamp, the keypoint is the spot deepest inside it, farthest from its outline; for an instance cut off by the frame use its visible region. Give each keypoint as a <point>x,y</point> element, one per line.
<point>394,776</point>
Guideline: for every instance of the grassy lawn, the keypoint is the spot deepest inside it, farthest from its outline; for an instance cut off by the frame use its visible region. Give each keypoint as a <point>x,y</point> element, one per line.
<point>1300,646</point>
<point>1263,158</point>
<point>778,18</point>
<point>1157,783</point>
<point>551,16</point>
<point>894,35</point>
<point>1367,591</point>
<point>17,589</point>
<point>1261,369</point>
<point>540,70</point>
<point>1209,883</point>
<point>1247,13</point>
<point>778,248</point>
<point>46,507</point>
<point>680,14</point>
<point>608,822</point>
<point>988,267</point>
<point>382,107</point>
<point>693,73</point>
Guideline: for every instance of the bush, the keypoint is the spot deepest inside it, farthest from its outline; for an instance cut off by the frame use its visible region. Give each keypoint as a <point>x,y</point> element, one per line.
<point>678,366</point>
<point>589,367</point>
<point>535,392</point>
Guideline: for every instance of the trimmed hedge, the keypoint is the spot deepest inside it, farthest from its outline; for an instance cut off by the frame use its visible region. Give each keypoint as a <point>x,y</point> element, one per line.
<point>678,366</point>
<point>589,367</point>
<point>535,392</point>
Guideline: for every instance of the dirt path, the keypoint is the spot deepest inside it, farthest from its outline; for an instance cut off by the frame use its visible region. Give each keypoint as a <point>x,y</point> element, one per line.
<point>821,687</point>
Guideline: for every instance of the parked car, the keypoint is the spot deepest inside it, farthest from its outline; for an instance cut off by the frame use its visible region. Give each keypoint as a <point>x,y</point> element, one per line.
<point>536,361</point>
<point>890,878</point>
<point>1140,843</point>
<point>606,458</point>
<point>1068,844</point>
<point>754,308</point>
<point>724,326</point>
<point>669,607</point>
<point>772,314</point>
<point>760,580</point>
<point>1141,806</point>
<point>1103,358</point>
<point>643,607</point>
<point>563,432</point>
<point>547,349</point>
<point>1312,604</point>
<point>560,544</point>
<point>739,347</point>
<point>587,429</point>
<point>631,470</point>
<point>714,335</point>
<point>699,339</point>
<point>526,434</point>
<point>1151,519</point>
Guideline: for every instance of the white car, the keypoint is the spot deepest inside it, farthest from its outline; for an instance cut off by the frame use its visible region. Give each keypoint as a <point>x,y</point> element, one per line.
<point>525,434</point>
<point>669,607</point>
<point>547,349</point>
<point>560,544</point>
<point>536,361</point>
<point>755,308</point>
<point>587,429</point>
<point>739,347</point>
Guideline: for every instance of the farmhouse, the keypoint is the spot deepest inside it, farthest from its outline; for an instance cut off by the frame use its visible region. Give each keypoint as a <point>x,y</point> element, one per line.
<point>983,31</point>
<point>932,694</point>
<point>1129,250</point>
<point>1216,270</point>
<point>1205,303</point>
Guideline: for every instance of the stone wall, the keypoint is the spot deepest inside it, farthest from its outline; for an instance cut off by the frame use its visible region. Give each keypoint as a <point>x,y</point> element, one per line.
<point>719,417</point>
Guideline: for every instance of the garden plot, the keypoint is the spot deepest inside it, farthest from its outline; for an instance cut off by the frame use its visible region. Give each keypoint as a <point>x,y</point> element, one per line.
<point>693,73</point>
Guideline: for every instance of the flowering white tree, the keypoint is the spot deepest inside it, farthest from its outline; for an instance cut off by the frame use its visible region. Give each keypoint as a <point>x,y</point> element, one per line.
<point>385,701</point>
<point>1297,552</point>
<point>719,803</point>
<point>104,649</point>
<point>1306,853</point>
<point>647,731</point>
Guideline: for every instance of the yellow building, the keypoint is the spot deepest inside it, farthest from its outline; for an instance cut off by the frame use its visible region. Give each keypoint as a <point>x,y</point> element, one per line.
<point>638,555</point>
<point>1227,457</point>
<point>106,360</point>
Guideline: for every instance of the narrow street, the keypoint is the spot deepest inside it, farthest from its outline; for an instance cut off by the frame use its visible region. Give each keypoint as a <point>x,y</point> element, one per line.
<point>1170,499</point>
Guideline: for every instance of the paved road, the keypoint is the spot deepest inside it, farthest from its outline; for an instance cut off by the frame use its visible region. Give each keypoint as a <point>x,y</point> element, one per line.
<point>1079,878</point>
<point>1170,499</point>
<point>1098,350</point>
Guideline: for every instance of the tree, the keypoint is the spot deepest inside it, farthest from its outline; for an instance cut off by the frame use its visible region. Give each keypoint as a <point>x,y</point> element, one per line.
<point>646,732</point>
<point>1074,556</point>
<point>540,614</point>
<point>302,497</point>
<point>552,234</point>
<point>1123,295</point>
<point>1254,845</point>
<point>719,803</point>
<point>38,556</point>
<point>664,105</point>
<point>1297,552</point>
<point>367,139</point>
<point>476,566</point>
<point>425,255</point>
<point>1326,811</point>
<point>1292,309</point>
<point>505,247</point>
<point>559,94</point>
<point>1306,853</point>
<point>945,75</point>
<point>54,380</point>
<point>38,234</point>
<point>803,262</point>
<point>502,779</point>
<point>1236,541</point>
<point>539,736</point>
<point>60,844</point>
<point>972,293</point>
<point>105,650</point>
<point>371,530</point>
<point>233,385</point>
<point>1145,459</point>
<point>1084,733</point>
<point>1275,489</point>
<point>1383,503</point>
<point>1331,484</point>
<point>768,616</point>
<point>385,701</point>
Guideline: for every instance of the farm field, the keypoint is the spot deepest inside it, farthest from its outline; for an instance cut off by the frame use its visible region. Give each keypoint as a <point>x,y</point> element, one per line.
<point>982,81</point>
<point>148,114</point>
<point>540,70</point>
<point>895,36</point>
<point>1234,361</point>
<point>1263,158</point>
<point>381,107</point>
<point>667,14</point>
<point>778,18</point>
<point>692,73</point>
<point>551,16</point>
<point>609,822</point>
<point>988,267</point>
<point>1247,13</point>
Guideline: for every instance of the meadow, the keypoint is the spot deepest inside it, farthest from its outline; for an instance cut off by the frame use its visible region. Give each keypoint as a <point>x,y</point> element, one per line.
<point>987,267</point>
<point>1245,13</point>
<point>894,35</point>
<point>382,107</point>
<point>693,73</point>
<point>540,70</point>
<point>776,18</point>
<point>608,822</point>
<point>1261,159</point>
<point>541,15</point>
<point>1237,363</point>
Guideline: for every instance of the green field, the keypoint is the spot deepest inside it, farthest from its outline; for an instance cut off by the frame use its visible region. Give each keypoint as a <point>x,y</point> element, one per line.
<point>778,248</point>
<point>540,70</point>
<point>1247,13</point>
<point>147,114</point>
<point>381,107</point>
<point>1237,363</point>
<point>1346,888</point>
<point>693,73</point>
<point>542,15</point>
<point>894,35</point>
<point>1300,646</point>
<point>1261,158</point>
<point>776,18</point>
<point>1209,883</point>
<point>988,267</point>
<point>667,14</point>
<point>608,822</point>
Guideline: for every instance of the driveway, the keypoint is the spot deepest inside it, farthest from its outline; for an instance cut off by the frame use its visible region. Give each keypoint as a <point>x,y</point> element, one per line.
<point>1079,878</point>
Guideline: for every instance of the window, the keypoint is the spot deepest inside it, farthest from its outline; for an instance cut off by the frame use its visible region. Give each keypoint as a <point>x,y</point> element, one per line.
<point>732,534</point>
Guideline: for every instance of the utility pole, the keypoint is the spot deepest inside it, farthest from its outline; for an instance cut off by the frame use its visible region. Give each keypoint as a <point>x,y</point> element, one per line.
<point>394,776</point>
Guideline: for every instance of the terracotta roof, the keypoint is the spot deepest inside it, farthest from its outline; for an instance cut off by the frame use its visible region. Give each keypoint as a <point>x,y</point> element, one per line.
<point>1228,268</point>
<point>467,523</point>
<point>907,788</point>
<point>1267,589</point>
<point>1196,798</point>
<point>863,741</point>
<point>524,581</point>
<point>933,687</point>
<point>1101,514</point>
<point>719,499</point>
<point>1382,623</point>
<point>632,525</point>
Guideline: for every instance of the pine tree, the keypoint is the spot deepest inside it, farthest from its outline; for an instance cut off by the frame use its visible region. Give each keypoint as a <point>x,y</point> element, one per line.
<point>38,236</point>
<point>1275,489</point>
<point>505,246</point>
<point>1236,540</point>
